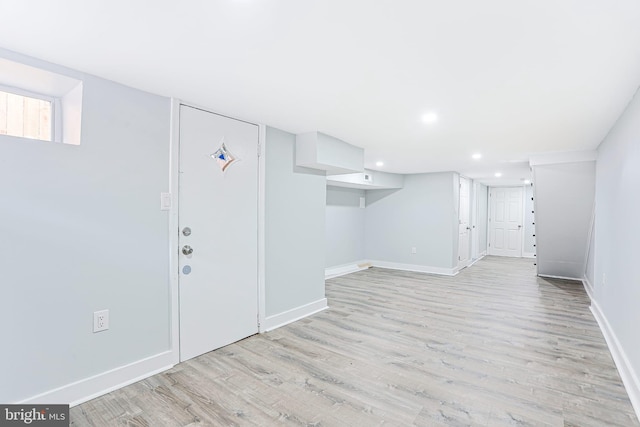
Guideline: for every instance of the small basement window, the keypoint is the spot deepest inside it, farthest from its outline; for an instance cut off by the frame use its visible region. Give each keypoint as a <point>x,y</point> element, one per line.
<point>26,115</point>
<point>38,104</point>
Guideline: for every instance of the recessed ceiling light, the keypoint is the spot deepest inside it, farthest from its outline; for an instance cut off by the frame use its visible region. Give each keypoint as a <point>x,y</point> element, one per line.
<point>430,118</point>
<point>527,181</point>
<point>379,163</point>
<point>498,174</point>
<point>476,156</point>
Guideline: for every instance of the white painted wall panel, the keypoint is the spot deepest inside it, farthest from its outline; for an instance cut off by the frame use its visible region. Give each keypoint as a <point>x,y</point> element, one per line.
<point>344,242</point>
<point>564,197</point>
<point>423,214</point>
<point>294,227</point>
<point>616,276</point>
<point>82,231</point>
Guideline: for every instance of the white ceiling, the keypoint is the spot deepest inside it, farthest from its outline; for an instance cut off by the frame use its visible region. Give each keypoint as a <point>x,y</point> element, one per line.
<point>510,79</point>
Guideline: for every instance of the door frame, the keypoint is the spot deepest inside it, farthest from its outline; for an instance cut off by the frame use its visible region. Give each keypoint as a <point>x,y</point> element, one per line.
<point>469,259</point>
<point>174,226</point>
<point>524,217</point>
<point>490,213</point>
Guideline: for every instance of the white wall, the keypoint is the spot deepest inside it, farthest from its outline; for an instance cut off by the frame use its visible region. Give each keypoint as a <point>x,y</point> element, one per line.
<point>294,227</point>
<point>564,197</point>
<point>344,229</point>
<point>591,263</point>
<point>616,278</point>
<point>423,214</point>
<point>81,231</point>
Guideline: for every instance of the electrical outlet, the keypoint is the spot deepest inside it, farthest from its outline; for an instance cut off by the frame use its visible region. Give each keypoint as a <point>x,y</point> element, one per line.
<point>100,320</point>
<point>413,250</point>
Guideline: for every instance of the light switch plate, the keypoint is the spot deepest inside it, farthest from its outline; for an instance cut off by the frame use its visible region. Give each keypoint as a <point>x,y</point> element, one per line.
<point>165,201</point>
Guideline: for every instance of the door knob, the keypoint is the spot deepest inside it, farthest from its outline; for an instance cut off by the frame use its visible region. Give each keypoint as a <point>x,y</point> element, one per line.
<point>187,250</point>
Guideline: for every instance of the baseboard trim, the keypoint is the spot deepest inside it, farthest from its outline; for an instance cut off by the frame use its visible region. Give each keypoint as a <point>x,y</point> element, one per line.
<point>458,268</point>
<point>89,388</point>
<point>289,316</point>
<point>476,260</point>
<point>627,373</point>
<point>528,254</point>
<point>588,287</point>
<point>341,270</point>
<point>418,268</point>
<point>549,276</point>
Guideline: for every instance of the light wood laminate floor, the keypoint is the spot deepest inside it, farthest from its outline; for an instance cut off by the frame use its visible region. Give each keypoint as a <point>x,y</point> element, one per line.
<point>493,346</point>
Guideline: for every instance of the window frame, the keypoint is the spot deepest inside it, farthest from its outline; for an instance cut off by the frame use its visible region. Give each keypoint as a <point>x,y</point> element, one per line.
<point>56,111</point>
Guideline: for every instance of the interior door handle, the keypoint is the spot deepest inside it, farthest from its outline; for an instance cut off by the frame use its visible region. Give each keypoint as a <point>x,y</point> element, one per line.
<point>187,250</point>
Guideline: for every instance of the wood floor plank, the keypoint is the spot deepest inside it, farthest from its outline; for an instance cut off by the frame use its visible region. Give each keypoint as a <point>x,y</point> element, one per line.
<point>493,346</point>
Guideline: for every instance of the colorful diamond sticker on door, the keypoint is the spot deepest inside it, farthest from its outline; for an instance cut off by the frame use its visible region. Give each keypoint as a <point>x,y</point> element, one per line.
<point>223,156</point>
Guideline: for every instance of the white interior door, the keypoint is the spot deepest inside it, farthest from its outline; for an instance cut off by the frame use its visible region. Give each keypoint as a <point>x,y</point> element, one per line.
<point>218,217</point>
<point>505,221</point>
<point>463,221</point>
<point>474,222</point>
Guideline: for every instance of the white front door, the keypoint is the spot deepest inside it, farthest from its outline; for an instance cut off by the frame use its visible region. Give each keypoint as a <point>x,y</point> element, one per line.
<point>218,218</point>
<point>463,221</point>
<point>505,221</point>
